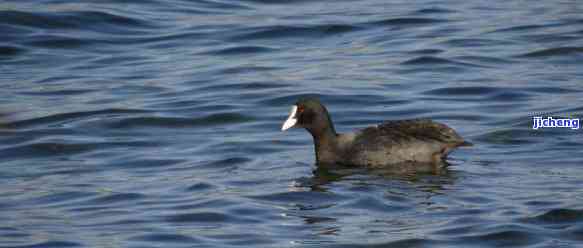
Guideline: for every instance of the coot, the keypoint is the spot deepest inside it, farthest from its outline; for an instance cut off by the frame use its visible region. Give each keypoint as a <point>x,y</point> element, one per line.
<point>387,144</point>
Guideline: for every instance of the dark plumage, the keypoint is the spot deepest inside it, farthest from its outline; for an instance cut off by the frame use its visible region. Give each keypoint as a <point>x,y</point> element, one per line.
<point>390,143</point>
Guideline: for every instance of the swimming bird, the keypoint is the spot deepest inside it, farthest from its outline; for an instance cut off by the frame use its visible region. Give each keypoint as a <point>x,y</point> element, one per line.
<point>387,144</point>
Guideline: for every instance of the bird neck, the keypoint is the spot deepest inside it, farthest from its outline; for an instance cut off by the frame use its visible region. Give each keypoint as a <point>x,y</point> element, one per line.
<point>325,146</point>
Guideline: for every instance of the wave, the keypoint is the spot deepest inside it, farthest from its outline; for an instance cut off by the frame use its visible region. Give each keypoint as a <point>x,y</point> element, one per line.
<point>553,52</point>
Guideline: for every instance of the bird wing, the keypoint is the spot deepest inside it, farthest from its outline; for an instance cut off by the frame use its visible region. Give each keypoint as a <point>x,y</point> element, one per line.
<point>404,131</point>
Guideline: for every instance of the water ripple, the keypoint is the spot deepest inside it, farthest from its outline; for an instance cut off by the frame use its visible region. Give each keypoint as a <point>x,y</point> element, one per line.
<point>70,19</point>
<point>173,122</point>
<point>407,21</point>
<point>554,52</point>
<point>558,216</point>
<point>239,50</point>
<point>166,238</point>
<point>279,32</point>
<point>51,244</point>
<point>431,60</point>
<point>208,217</point>
<point>10,51</point>
<point>71,117</point>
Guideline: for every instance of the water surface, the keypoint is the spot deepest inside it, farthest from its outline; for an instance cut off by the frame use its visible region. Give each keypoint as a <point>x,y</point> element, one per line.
<point>157,123</point>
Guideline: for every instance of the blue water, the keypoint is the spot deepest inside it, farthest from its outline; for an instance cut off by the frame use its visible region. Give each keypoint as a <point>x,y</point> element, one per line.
<point>157,123</point>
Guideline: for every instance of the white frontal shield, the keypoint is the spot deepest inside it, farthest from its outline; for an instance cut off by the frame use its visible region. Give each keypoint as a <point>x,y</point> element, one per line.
<point>291,120</point>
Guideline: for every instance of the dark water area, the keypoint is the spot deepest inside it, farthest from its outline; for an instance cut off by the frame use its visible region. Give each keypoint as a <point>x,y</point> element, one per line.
<point>157,123</point>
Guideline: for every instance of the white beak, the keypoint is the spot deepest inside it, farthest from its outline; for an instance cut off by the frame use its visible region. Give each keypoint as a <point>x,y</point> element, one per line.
<point>291,120</point>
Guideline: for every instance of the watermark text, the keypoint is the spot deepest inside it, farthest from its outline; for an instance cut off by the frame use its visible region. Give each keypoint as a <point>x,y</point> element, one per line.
<point>544,122</point>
